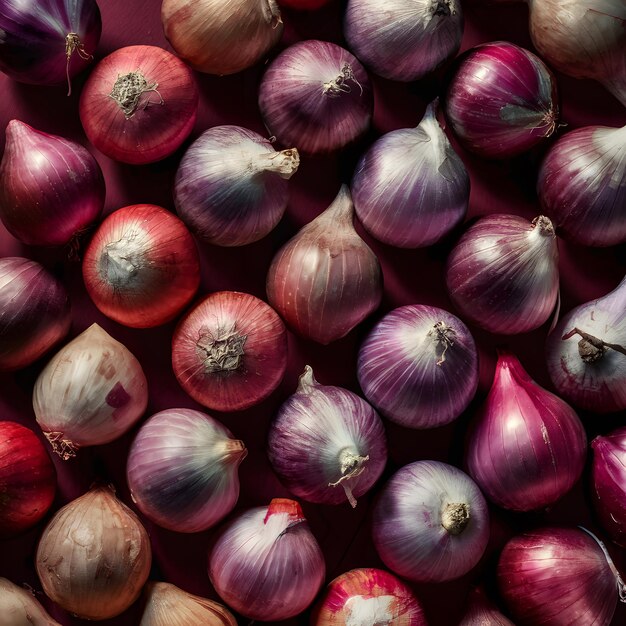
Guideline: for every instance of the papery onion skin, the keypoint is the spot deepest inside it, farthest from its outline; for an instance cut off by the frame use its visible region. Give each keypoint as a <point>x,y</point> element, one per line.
<point>326,443</point>
<point>501,100</point>
<point>266,564</point>
<point>19,607</point>
<point>154,120</point>
<point>368,596</point>
<point>35,312</point>
<point>326,279</point>
<point>527,447</point>
<point>230,351</point>
<point>316,96</point>
<point>419,366</point>
<point>557,577</point>
<point>503,273</point>
<point>408,522</point>
<point>90,393</point>
<point>410,188</point>
<point>582,185</point>
<point>182,470</point>
<point>231,186</point>
<point>27,479</point>
<point>480,612</point>
<point>94,556</point>
<point>141,267</point>
<point>591,376</point>
<point>408,39</point>
<point>51,188</point>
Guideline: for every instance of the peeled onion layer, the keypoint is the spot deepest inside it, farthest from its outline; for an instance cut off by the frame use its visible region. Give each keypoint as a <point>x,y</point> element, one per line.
<point>19,607</point>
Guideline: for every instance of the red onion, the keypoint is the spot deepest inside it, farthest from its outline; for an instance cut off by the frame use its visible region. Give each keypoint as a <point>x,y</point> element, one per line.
<point>182,470</point>
<point>324,438</point>
<point>139,104</point>
<point>406,40</point>
<point>221,36</point>
<point>230,351</point>
<point>231,185</point>
<point>480,612</point>
<point>366,597</point>
<point>266,564</point>
<point>503,274</point>
<point>316,96</point>
<point>559,577</point>
<point>586,353</point>
<point>430,523</point>
<point>27,479</point>
<point>51,189</point>
<point>19,607</point>
<point>90,393</point>
<point>35,312</point>
<point>502,100</point>
<point>326,279</point>
<point>141,267</point>
<point>527,447</point>
<point>410,188</point>
<point>419,366</point>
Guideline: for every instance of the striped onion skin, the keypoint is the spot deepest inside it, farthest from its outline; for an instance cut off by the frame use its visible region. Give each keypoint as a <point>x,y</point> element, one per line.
<point>19,607</point>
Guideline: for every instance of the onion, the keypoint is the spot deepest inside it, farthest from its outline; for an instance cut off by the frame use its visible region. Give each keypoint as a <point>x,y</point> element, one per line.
<point>503,273</point>
<point>51,189</point>
<point>221,36</point>
<point>231,185</point>
<point>502,100</point>
<point>430,523</point>
<point>586,353</point>
<point>230,351</point>
<point>366,597</point>
<point>266,564</point>
<point>18,607</point>
<point>27,479</point>
<point>316,96</point>
<point>326,279</point>
<point>558,577</point>
<point>34,312</point>
<point>141,267</point>
<point>91,392</point>
<point>182,470</point>
<point>139,104</point>
<point>327,437</point>
<point>94,556</point>
<point>527,447</point>
<point>480,612</point>
<point>410,188</point>
<point>419,366</point>
<point>406,40</point>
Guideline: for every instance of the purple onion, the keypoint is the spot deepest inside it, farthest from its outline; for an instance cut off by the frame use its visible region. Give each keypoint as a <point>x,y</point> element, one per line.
<point>419,366</point>
<point>502,100</point>
<point>410,188</point>
<point>231,185</point>
<point>35,312</point>
<point>327,444</point>
<point>316,96</point>
<point>480,612</point>
<point>431,523</point>
<point>182,470</point>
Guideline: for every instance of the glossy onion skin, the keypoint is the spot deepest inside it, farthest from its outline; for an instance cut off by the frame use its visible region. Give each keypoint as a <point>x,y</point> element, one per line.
<point>527,447</point>
<point>141,268</point>
<point>243,374</point>
<point>35,312</point>
<point>556,577</point>
<point>501,101</point>
<point>161,121</point>
<point>414,379</point>
<point>300,108</point>
<point>19,607</point>
<point>27,479</point>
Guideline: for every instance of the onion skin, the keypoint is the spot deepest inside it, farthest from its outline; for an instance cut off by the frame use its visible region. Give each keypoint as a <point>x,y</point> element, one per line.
<point>18,607</point>
<point>35,312</point>
<point>51,188</point>
<point>94,556</point>
<point>480,612</point>
<point>27,479</point>
<point>159,120</point>
<point>141,267</point>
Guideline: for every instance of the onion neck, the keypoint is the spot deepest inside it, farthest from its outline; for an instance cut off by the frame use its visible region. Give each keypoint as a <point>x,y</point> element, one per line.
<point>455,517</point>
<point>543,226</point>
<point>351,465</point>
<point>443,337</point>
<point>307,382</point>
<point>340,84</point>
<point>284,163</point>
<point>271,11</point>
<point>65,448</point>
<point>233,450</point>
<point>590,348</point>
<point>128,90</point>
<point>73,44</point>
<point>221,352</point>
<point>341,211</point>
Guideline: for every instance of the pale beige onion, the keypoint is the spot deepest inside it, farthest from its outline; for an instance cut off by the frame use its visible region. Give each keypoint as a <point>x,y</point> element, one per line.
<point>18,607</point>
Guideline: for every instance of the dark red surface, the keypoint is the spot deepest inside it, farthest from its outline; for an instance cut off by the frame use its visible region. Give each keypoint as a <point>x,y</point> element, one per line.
<point>410,277</point>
